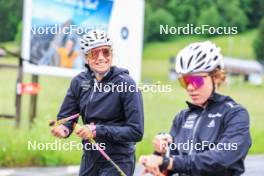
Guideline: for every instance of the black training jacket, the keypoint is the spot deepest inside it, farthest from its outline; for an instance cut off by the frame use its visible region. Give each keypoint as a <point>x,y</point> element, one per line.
<point>221,135</point>
<point>117,114</point>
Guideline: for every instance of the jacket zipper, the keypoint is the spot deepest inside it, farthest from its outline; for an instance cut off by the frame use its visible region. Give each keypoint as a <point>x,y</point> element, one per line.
<point>92,91</point>
<point>90,96</point>
<point>195,130</point>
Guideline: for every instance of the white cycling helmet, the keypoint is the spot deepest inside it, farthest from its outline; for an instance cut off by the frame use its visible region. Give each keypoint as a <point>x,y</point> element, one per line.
<point>198,57</point>
<point>93,39</point>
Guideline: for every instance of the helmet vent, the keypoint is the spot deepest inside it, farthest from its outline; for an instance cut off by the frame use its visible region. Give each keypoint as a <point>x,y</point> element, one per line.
<point>196,47</point>
<point>215,58</point>
<point>210,60</point>
<point>207,67</point>
<point>202,58</point>
<point>199,66</point>
<point>198,54</point>
<point>190,60</point>
<point>181,63</point>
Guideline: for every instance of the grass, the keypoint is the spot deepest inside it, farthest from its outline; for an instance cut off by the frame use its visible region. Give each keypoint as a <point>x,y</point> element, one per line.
<point>14,142</point>
<point>160,108</point>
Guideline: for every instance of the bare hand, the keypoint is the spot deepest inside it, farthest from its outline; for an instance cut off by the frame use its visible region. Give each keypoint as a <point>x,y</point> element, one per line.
<point>60,131</point>
<point>151,163</point>
<point>85,132</point>
<point>161,142</point>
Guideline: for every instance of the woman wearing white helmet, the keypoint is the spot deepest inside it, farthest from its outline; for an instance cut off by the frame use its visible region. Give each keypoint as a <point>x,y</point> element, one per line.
<point>92,44</point>
<point>113,118</point>
<point>211,137</point>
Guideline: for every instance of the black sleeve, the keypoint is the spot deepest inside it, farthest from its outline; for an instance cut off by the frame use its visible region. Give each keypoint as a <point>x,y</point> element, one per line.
<point>70,105</point>
<point>133,129</point>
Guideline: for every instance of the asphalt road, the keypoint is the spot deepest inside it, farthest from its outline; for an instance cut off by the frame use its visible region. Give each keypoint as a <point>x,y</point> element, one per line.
<point>254,167</point>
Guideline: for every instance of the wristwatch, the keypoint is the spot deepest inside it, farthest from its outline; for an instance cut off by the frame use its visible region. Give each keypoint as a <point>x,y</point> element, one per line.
<point>165,163</point>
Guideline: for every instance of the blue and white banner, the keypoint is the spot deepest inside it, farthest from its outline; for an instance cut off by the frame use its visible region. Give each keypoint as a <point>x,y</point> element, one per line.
<point>52,28</point>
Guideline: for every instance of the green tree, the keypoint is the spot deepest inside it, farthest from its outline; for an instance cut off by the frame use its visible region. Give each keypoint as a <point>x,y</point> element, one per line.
<point>232,14</point>
<point>160,17</point>
<point>210,16</point>
<point>254,10</point>
<point>157,4</point>
<point>18,37</point>
<point>10,15</point>
<point>148,14</point>
<point>184,12</point>
<point>258,44</point>
<point>243,14</point>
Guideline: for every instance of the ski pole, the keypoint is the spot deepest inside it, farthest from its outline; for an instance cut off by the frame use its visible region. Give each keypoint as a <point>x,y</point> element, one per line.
<point>64,120</point>
<point>92,141</point>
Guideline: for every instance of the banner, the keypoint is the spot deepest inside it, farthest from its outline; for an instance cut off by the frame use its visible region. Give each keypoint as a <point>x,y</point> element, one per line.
<point>52,28</point>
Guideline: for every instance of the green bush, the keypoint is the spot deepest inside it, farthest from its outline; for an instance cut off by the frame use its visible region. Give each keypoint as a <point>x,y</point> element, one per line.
<point>259,42</point>
<point>10,15</point>
<point>160,17</point>
<point>148,13</point>
<point>184,12</point>
<point>18,37</point>
<point>243,14</point>
<point>232,14</point>
<point>210,17</point>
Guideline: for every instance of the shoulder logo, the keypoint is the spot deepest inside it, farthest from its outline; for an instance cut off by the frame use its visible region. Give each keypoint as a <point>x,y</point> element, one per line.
<point>230,104</point>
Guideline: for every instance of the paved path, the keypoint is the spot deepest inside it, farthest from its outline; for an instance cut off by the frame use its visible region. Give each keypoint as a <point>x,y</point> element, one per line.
<point>254,167</point>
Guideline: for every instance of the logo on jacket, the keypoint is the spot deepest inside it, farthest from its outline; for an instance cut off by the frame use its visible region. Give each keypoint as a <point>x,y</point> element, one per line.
<point>214,115</point>
<point>211,124</point>
<point>189,123</point>
<point>85,85</point>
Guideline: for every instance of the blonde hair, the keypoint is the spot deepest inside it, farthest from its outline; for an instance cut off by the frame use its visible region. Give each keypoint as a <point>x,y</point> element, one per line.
<point>219,76</point>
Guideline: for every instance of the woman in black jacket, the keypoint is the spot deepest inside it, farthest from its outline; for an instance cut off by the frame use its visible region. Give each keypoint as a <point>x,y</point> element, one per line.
<point>111,115</point>
<point>211,137</point>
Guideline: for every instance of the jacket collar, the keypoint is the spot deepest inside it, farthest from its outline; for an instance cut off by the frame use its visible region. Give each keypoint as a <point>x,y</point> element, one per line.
<point>215,97</point>
<point>92,74</point>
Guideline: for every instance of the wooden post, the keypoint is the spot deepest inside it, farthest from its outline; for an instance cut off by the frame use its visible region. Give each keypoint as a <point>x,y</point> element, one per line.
<point>19,95</point>
<point>33,102</point>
